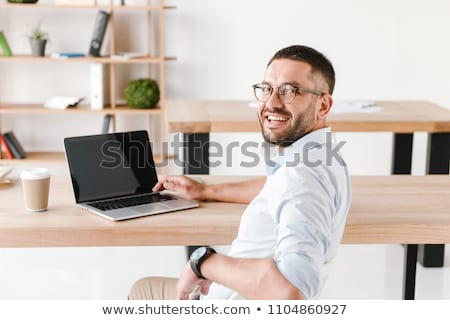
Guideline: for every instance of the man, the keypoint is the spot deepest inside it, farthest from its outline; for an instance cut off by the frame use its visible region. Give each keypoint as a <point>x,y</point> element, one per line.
<point>296,215</point>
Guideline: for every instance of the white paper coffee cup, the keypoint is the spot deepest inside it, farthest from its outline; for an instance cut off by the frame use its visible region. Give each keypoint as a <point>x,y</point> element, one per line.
<point>36,185</point>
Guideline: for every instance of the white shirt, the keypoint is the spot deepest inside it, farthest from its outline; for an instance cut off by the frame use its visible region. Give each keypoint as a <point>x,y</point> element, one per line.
<point>298,217</point>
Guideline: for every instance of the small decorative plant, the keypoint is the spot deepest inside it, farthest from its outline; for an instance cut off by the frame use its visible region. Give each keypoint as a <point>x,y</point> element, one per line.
<point>142,93</point>
<point>38,40</point>
<point>37,33</point>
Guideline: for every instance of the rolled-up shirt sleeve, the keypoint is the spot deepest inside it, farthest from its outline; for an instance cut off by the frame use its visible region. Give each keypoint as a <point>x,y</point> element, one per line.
<point>304,216</point>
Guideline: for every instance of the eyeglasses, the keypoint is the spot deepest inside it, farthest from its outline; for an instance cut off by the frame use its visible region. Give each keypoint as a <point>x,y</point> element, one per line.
<point>286,92</point>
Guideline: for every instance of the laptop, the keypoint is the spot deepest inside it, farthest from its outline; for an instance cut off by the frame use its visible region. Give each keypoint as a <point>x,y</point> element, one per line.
<point>113,175</point>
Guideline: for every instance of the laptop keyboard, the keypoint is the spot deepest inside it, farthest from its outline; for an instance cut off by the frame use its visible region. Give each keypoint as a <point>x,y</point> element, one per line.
<point>131,201</point>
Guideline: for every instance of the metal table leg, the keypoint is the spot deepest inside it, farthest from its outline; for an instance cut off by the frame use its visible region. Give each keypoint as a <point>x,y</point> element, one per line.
<point>196,160</point>
<point>409,271</point>
<point>402,153</point>
<point>196,153</point>
<point>430,255</point>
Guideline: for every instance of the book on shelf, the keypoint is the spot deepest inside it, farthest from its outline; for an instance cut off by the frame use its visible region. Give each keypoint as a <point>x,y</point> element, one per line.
<point>14,145</point>
<point>100,25</point>
<point>4,45</point>
<point>5,147</point>
<point>67,55</point>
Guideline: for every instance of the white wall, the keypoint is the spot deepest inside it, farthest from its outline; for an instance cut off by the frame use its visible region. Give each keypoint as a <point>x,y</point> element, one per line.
<point>381,50</point>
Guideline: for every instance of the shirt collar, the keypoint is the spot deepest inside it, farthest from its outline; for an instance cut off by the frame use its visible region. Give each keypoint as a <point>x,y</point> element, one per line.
<point>309,141</point>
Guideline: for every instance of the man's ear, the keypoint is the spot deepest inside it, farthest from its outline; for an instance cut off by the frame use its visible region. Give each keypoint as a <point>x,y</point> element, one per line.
<point>325,106</point>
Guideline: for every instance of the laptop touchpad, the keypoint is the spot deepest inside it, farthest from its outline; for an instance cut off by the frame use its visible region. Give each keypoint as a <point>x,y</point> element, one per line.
<point>148,208</point>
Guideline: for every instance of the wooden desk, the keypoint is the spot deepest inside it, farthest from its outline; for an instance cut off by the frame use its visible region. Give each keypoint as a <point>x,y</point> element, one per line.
<point>66,225</point>
<point>197,119</point>
<point>237,116</point>
<point>384,210</point>
<point>389,209</point>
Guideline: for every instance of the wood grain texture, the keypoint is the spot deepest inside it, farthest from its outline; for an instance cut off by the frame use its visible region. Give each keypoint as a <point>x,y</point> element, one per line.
<point>385,209</point>
<point>237,116</point>
<point>6,108</point>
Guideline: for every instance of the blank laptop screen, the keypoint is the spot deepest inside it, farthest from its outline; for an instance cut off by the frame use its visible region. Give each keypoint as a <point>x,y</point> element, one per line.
<point>110,165</point>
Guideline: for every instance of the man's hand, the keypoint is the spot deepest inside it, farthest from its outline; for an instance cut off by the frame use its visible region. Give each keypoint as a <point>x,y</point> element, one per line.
<point>188,281</point>
<point>184,186</point>
<point>236,192</point>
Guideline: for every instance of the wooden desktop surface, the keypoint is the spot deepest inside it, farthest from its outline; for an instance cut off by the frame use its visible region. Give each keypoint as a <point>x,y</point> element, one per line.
<point>387,209</point>
<point>237,116</point>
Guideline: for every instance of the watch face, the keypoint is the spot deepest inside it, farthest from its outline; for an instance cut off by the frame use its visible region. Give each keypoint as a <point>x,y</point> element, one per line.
<point>198,253</point>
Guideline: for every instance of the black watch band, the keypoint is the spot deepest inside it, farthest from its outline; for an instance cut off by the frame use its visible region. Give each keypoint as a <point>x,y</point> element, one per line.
<point>198,257</point>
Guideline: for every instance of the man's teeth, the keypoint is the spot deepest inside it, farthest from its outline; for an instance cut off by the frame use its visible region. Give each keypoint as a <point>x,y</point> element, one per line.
<point>275,118</point>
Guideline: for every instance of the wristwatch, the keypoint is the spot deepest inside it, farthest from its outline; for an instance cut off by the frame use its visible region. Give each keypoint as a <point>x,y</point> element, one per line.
<point>197,258</point>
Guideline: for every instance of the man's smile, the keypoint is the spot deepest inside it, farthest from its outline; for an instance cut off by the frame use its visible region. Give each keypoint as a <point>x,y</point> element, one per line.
<point>274,120</point>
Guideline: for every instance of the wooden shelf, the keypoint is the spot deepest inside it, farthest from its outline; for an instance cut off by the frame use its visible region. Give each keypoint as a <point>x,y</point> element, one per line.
<point>107,59</point>
<point>37,157</point>
<point>98,7</point>
<point>128,110</point>
<point>154,63</point>
<point>55,157</point>
<point>14,108</point>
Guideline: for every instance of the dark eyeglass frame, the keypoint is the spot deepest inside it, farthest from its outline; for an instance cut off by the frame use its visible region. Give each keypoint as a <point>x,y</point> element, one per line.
<point>282,96</point>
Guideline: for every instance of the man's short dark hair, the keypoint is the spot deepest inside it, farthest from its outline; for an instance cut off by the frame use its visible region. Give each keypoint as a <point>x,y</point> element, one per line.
<point>318,62</point>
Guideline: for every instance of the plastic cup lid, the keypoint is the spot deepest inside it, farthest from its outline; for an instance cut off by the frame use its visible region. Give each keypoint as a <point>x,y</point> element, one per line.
<point>35,173</point>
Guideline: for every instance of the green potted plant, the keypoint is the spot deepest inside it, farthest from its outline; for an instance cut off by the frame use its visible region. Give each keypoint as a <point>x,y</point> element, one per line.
<point>142,93</point>
<point>38,40</point>
<point>23,1</point>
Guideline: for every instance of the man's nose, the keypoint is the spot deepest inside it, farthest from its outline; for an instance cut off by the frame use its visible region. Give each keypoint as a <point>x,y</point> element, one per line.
<point>274,100</point>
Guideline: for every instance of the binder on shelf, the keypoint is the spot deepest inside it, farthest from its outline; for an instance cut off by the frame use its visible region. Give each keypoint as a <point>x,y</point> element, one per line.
<point>101,22</point>
<point>4,45</point>
<point>97,92</point>
<point>14,145</point>
<point>5,147</point>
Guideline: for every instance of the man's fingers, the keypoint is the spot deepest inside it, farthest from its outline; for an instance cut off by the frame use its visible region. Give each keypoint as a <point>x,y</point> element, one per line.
<point>169,185</point>
<point>204,286</point>
<point>182,296</point>
<point>157,187</point>
<point>162,184</point>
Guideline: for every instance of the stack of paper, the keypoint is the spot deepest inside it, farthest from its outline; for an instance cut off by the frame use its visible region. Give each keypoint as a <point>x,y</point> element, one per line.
<point>349,106</point>
<point>4,171</point>
<point>128,55</point>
